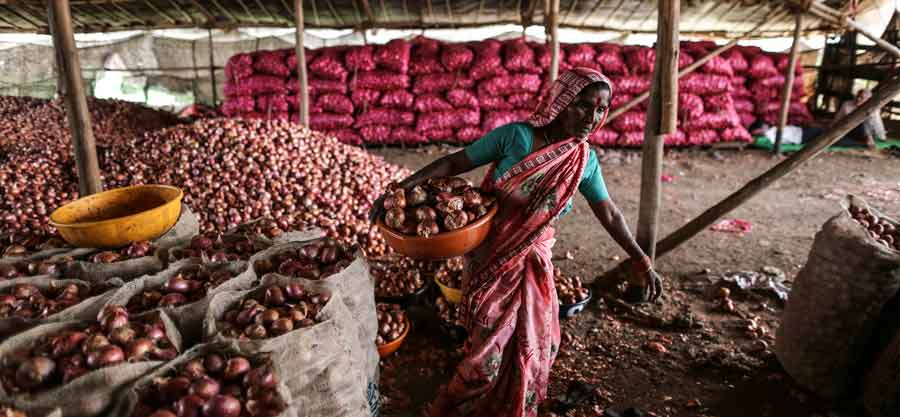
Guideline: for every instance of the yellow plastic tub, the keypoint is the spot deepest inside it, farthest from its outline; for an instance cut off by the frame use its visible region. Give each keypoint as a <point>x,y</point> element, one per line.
<point>118,217</point>
<point>453,295</point>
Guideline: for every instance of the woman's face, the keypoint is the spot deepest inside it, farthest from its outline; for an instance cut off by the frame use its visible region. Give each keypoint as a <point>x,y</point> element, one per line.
<point>581,117</point>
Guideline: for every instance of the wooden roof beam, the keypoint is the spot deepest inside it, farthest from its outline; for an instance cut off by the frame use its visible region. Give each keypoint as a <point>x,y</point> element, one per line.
<point>250,14</point>
<point>225,11</point>
<point>183,12</point>
<point>591,13</point>
<point>11,24</point>
<point>266,11</point>
<point>27,19</point>
<point>367,9</point>
<point>210,19</point>
<point>165,15</point>
<point>337,16</point>
<point>125,12</point>
<point>616,10</point>
<point>110,14</point>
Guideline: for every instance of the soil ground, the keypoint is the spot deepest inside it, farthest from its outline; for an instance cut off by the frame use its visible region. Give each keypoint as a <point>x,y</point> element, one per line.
<point>718,363</point>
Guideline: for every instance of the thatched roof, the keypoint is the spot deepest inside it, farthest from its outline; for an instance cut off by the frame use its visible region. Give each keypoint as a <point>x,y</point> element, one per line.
<point>720,18</point>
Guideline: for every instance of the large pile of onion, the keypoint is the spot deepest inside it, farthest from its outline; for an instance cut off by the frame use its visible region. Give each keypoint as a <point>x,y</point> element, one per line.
<point>231,171</point>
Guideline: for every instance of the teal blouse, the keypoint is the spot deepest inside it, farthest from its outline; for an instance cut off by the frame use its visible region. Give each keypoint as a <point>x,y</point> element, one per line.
<point>509,144</point>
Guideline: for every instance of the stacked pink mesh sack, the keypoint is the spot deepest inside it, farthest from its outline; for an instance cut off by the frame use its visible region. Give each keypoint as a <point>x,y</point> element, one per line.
<point>426,91</point>
<point>763,78</point>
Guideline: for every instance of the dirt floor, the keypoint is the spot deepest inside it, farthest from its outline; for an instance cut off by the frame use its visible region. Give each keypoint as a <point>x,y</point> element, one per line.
<point>683,356</point>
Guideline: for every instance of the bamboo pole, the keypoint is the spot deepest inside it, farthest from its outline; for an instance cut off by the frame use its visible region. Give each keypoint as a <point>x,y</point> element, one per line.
<point>661,119</point>
<point>553,27</point>
<point>788,83</point>
<point>885,92</point>
<point>685,71</point>
<point>212,71</point>
<point>69,65</point>
<point>303,95</point>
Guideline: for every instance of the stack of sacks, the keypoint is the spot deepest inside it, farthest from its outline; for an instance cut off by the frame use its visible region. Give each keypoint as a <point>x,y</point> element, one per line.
<point>447,109</point>
<point>765,80</point>
<point>426,91</point>
<point>508,80</point>
<point>708,113</point>
<point>380,90</point>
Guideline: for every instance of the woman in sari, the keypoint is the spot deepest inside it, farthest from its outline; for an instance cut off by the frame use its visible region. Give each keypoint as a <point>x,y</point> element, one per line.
<point>510,303</point>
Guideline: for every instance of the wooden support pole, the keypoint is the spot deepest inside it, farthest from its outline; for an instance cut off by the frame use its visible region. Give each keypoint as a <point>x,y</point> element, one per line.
<point>788,84</point>
<point>552,22</point>
<point>662,117</point>
<point>69,66</point>
<point>303,95</point>
<point>685,71</point>
<point>885,92</point>
<point>212,71</point>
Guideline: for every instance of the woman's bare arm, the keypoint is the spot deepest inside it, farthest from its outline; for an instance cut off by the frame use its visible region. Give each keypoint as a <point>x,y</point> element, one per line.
<point>614,223</point>
<point>448,166</point>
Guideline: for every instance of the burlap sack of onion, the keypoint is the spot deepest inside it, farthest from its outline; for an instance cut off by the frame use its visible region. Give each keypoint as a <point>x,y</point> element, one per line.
<point>443,218</point>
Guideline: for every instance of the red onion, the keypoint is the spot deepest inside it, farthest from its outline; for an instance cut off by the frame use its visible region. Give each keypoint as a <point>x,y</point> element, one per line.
<point>205,388</point>
<point>105,356</point>
<point>235,368</point>
<point>222,406</point>
<point>214,363</point>
<point>138,349</point>
<point>34,372</point>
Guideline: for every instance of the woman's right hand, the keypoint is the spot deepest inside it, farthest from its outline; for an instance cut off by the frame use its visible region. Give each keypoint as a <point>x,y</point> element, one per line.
<point>645,283</point>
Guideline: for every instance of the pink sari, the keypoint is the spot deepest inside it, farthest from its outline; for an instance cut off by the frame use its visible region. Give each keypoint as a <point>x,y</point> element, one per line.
<point>510,302</point>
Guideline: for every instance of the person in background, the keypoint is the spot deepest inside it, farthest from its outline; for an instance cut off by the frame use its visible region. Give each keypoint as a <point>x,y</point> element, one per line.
<point>867,132</point>
<point>790,135</point>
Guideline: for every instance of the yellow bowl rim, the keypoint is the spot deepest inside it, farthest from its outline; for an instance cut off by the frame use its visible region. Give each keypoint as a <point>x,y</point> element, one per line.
<point>117,219</point>
<point>446,235</point>
<point>447,291</point>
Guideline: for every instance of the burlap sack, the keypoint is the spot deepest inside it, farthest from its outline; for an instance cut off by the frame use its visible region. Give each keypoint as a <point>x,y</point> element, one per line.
<point>881,392</point>
<point>129,396</point>
<point>87,309</point>
<point>87,395</point>
<point>326,377</point>
<point>357,291</point>
<point>832,314</point>
<point>186,228</point>
<point>188,317</point>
